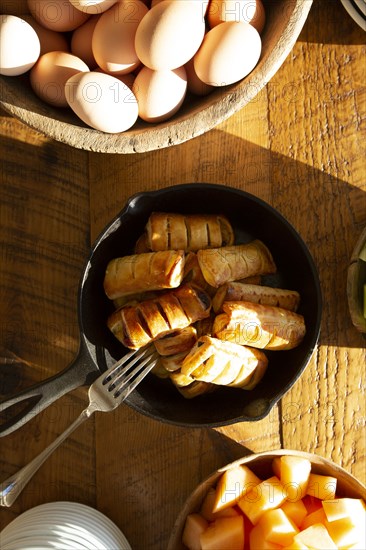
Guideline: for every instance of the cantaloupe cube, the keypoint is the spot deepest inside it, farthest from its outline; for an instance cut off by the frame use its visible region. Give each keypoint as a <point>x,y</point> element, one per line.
<point>267,495</point>
<point>277,527</point>
<point>207,507</point>
<point>322,487</point>
<point>360,545</point>
<point>344,507</point>
<point>294,476</point>
<point>223,533</point>
<point>315,517</point>
<point>258,542</point>
<point>276,466</point>
<point>296,511</point>
<point>316,537</point>
<point>232,485</point>
<point>312,503</point>
<point>248,526</point>
<point>295,545</point>
<point>347,531</point>
<point>194,526</point>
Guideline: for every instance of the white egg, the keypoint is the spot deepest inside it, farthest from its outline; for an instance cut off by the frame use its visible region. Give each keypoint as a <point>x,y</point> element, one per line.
<point>19,46</point>
<point>102,101</point>
<point>93,6</point>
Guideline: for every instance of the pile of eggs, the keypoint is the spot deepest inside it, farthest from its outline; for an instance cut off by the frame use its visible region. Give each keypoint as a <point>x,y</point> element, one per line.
<point>114,61</point>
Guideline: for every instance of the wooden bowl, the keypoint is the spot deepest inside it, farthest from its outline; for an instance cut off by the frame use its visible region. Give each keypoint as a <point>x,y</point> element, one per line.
<point>260,463</point>
<point>356,279</point>
<point>284,21</point>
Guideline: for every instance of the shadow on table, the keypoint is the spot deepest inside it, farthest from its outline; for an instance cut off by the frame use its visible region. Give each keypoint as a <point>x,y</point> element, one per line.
<point>329,22</point>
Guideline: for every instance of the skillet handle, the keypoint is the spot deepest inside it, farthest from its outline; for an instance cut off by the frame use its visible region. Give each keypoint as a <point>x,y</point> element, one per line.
<point>36,398</point>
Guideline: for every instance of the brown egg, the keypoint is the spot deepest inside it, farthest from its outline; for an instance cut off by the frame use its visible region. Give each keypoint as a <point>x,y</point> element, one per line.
<point>114,37</point>
<point>127,79</point>
<point>81,42</point>
<point>159,94</point>
<point>50,74</point>
<point>248,11</point>
<point>102,101</point>
<point>204,3</point>
<point>229,52</point>
<point>93,7</point>
<point>195,84</point>
<point>170,34</point>
<point>57,15</point>
<point>50,41</point>
<point>19,45</point>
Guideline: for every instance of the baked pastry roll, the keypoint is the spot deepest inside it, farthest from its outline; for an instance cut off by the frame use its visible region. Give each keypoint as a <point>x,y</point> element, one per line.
<point>179,341</point>
<point>231,263</point>
<point>136,326</point>
<point>193,274</point>
<point>250,382</point>
<point>173,363</point>
<point>141,245</point>
<point>265,327</point>
<point>166,231</point>
<point>133,299</point>
<point>143,272</point>
<point>222,363</point>
<point>180,380</point>
<point>204,326</point>
<point>160,371</point>
<point>193,389</point>
<point>235,291</point>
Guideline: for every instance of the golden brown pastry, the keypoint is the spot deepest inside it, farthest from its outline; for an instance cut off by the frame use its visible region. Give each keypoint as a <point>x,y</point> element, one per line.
<point>193,389</point>
<point>204,326</point>
<point>179,341</point>
<point>222,363</point>
<point>249,383</point>
<point>173,363</point>
<point>252,280</point>
<point>160,371</point>
<point>235,291</point>
<point>265,327</point>
<point>142,244</point>
<point>166,231</point>
<point>143,272</point>
<point>136,326</point>
<point>180,380</point>
<point>193,273</point>
<point>231,263</point>
<point>133,299</point>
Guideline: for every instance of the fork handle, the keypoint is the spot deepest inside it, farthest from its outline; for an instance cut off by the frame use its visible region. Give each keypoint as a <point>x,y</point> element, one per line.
<point>11,488</point>
<point>36,398</point>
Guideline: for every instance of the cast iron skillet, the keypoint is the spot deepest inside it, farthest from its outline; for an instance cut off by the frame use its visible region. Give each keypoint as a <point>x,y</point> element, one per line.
<point>156,398</point>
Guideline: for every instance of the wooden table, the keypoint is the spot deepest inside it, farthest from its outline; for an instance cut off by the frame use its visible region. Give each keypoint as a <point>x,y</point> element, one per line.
<point>300,145</point>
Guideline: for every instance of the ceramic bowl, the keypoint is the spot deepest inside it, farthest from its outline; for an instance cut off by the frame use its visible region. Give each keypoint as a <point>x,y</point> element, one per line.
<point>260,464</point>
<point>284,22</point>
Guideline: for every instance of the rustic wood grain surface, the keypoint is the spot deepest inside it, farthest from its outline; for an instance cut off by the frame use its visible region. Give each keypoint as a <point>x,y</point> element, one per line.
<point>299,145</point>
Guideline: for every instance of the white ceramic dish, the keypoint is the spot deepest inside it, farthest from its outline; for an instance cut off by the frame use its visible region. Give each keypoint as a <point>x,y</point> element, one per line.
<point>62,526</point>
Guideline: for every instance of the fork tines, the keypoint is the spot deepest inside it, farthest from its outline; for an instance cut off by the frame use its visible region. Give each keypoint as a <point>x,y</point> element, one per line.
<point>123,378</point>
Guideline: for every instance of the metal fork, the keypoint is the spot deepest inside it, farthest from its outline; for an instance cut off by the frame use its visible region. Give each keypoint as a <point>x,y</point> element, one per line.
<point>105,394</point>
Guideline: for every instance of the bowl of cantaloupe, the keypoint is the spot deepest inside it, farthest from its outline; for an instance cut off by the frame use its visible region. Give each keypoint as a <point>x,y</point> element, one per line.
<point>281,499</point>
